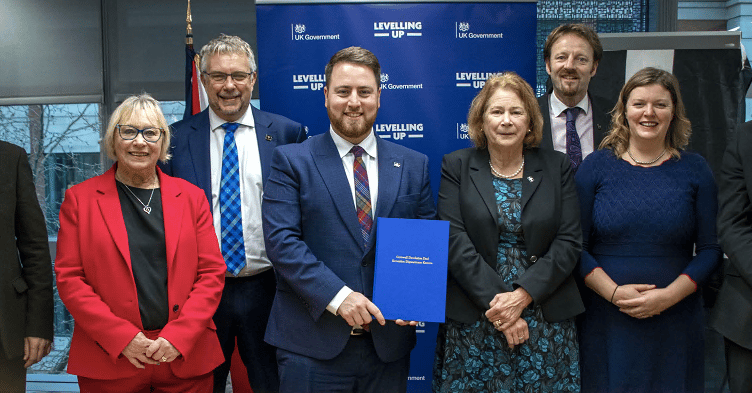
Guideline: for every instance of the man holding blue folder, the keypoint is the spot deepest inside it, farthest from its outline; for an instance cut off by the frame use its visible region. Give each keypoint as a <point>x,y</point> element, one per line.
<point>319,216</point>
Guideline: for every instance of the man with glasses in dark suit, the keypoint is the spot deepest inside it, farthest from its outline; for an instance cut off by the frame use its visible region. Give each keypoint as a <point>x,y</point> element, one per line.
<point>233,141</point>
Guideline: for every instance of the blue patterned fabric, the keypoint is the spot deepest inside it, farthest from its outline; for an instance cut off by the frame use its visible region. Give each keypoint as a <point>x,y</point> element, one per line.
<point>645,226</point>
<point>574,149</point>
<point>475,357</point>
<point>233,248</point>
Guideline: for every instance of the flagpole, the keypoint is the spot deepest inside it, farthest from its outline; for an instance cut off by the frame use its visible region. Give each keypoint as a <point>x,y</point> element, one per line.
<point>188,28</point>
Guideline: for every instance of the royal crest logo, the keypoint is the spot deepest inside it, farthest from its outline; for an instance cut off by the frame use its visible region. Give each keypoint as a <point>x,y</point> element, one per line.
<point>464,26</point>
<point>462,129</point>
<point>384,78</point>
<point>300,29</point>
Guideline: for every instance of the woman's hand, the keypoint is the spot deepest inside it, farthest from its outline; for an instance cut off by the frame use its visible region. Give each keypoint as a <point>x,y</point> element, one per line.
<point>135,351</point>
<point>162,350</point>
<point>649,303</point>
<point>630,291</point>
<point>654,301</point>
<point>507,307</point>
<point>516,333</point>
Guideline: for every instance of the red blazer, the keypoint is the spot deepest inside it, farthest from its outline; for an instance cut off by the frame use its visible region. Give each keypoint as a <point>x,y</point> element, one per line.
<point>95,278</point>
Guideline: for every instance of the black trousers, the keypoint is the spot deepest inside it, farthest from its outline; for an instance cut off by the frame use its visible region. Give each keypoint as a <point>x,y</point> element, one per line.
<point>739,367</point>
<point>12,373</point>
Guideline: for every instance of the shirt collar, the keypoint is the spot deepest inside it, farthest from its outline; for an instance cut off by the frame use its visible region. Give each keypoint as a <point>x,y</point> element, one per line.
<point>343,146</point>
<point>216,122</point>
<point>558,107</point>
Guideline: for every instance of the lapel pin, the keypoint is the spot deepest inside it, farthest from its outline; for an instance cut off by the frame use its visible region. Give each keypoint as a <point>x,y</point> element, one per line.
<point>268,138</point>
<point>530,179</point>
<point>397,164</point>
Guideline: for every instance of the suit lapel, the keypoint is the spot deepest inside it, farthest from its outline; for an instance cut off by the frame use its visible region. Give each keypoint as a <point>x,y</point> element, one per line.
<point>172,209</point>
<point>390,176</point>
<point>547,141</point>
<point>601,119</point>
<point>266,140</point>
<point>480,175</point>
<point>531,176</point>
<point>327,161</point>
<point>198,145</point>
<point>112,213</point>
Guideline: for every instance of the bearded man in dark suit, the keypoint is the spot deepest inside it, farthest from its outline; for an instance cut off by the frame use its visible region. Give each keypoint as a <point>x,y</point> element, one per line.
<point>572,53</point>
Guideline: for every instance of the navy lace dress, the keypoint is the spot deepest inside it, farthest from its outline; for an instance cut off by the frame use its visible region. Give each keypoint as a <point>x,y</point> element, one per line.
<point>475,357</point>
<point>645,226</point>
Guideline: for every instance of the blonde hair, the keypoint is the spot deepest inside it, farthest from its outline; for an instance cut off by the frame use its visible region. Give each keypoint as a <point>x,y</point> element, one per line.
<point>148,107</point>
<point>680,129</point>
<point>512,82</point>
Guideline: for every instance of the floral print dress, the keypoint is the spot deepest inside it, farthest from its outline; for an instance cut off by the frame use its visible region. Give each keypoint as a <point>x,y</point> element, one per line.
<point>475,357</point>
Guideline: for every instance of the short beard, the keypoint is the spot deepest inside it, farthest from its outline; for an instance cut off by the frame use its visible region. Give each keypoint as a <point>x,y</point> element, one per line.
<point>347,131</point>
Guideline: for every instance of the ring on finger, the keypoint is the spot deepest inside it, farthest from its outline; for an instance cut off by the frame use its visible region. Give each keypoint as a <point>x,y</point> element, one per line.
<point>497,323</point>
<point>164,359</point>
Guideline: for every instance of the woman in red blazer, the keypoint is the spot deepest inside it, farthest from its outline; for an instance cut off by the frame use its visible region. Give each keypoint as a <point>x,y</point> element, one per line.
<point>139,268</point>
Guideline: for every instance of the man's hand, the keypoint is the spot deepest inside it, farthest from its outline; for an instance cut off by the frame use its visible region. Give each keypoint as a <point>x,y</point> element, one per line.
<point>162,350</point>
<point>135,351</point>
<point>356,309</point>
<point>35,349</point>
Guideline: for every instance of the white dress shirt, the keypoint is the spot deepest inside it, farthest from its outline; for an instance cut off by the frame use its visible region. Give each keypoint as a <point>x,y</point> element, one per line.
<point>251,188</point>
<point>584,124</point>
<point>371,161</point>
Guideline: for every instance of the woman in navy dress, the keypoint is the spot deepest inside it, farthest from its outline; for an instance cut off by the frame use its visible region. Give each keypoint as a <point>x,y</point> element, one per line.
<point>649,239</point>
<point>514,241</point>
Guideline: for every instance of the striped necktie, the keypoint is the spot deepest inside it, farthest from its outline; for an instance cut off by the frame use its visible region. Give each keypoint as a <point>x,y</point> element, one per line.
<point>362,194</point>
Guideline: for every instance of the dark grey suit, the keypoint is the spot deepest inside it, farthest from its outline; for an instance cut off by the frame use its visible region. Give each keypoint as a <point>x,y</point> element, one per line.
<point>25,266</point>
<point>550,222</point>
<point>732,314</point>
<point>601,120</point>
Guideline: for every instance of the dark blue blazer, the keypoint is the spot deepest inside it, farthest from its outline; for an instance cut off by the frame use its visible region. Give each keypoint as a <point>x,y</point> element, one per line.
<point>314,242</point>
<point>190,145</point>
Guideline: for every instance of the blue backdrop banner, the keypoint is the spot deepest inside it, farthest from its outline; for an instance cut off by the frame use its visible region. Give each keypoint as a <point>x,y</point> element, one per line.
<point>434,57</point>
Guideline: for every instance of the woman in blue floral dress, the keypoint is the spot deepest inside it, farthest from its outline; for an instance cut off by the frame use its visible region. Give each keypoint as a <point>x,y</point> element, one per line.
<point>515,239</point>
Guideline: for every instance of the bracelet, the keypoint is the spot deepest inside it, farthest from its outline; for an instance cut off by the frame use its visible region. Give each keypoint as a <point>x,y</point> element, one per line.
<point>612,295</point>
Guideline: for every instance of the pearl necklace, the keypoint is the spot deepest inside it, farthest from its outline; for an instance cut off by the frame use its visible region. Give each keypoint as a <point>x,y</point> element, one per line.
<point>497,174</point>
<point>646,162</point>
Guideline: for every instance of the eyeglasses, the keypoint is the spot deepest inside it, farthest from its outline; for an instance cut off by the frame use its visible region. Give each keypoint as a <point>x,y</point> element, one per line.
<point>129,133</point>
<point>221,77</point>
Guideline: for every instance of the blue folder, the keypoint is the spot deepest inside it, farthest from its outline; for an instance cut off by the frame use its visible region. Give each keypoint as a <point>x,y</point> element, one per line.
<point>410,278</point>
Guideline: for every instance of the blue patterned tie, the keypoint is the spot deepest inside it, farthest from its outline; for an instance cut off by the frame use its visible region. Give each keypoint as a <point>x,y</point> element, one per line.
<point>231,223</point>
<point>362,193</point>
<point>574,150</point>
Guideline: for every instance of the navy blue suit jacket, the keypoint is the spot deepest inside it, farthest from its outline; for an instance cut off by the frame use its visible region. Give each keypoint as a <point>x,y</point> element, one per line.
<point>190,145</point>
<point>314,242</point>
